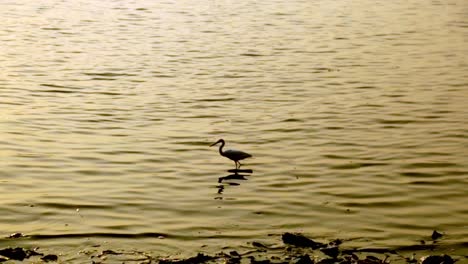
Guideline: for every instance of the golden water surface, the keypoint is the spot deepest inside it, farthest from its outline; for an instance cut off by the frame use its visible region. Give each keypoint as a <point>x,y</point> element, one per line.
<point>355,113</point>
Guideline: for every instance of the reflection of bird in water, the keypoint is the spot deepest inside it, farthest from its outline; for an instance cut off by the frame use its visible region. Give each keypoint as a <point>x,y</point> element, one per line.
<point>232,154</point>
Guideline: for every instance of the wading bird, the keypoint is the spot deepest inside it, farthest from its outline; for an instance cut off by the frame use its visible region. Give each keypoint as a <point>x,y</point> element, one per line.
<point>231,154</point>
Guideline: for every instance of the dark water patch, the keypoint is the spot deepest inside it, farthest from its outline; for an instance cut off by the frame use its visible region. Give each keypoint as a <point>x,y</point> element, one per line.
<point>432,117</point>
<point>322,52</point>
<point>334,156</point>
<point>89,172</point>
<point>463,135</point>
<point>456,173</point>
<point>334,128</point>
<point>291,81</point>
<point>357,165</point>
<point>51,28</point>
<point>72,206</point>
<point>158,75</point>
<point>217,99</point>
<point>379,204</point>
<point>284,130</point>
<point>98,120</point>
<point>395,121</point>
<point>192,143</point>
<point>122,152</point>
<point>203,116</point>
<point>364,87</point>
<point>103,79</point>
<point>53,85</point>
<point>292,120</point>
<point>56,91</point>
<point>430,165</point>
<point>137,81</point>
<point>109,93</point>
<point>230,76</point>
<point>424,183</point>
<point>208,32</point>
<point>281,14</point>
<point>107,74</point>
<point>251,54</point>
<point>371,105</point>
<point>372,164</point>
<point>100,234</point>
<point>10,103</point>
<point>414,174</point>
<point>322,69</point>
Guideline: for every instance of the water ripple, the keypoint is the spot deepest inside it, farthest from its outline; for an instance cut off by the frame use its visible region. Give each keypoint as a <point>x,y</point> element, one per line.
<point>357,124</point>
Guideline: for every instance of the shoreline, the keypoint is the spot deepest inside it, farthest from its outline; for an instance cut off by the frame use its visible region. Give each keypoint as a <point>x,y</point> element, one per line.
<point>294,248</point>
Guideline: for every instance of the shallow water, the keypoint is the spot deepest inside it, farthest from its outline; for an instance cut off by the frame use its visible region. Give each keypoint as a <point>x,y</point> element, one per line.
<point>355,113</point>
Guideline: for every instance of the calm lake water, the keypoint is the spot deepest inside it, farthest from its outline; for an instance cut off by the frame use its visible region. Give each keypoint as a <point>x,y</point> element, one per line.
<point>355,113</point>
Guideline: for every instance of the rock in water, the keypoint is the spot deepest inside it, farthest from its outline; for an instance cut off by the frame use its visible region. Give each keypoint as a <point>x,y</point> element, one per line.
<point>305,260</point>
<point>14,253</point>
<point>49,257</point>
<point>443,259</point>
<point>300,241</point>
<point>436,235</point>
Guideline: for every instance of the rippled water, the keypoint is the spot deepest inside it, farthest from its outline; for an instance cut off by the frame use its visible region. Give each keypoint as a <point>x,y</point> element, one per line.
<point>355,113</point>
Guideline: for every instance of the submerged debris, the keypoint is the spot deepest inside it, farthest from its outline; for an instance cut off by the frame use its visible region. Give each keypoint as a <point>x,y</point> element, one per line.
<point>305,259</point>
<point>200,258</point>
<point>18,253</point>
<point>16,235</point>
<point>299,240</point>
<point>49,257</point>
<point>296,249</point>
<point>331,251</point>
<point>436,235</point>
<point>443,259</point>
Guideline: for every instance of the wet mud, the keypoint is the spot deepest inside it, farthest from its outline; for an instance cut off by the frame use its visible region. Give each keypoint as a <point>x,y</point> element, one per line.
<point>294,248</point>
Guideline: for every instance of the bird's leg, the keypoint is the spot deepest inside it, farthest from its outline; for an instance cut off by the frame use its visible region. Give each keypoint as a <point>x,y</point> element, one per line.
<point>239,164</point>
<point>236,164</point>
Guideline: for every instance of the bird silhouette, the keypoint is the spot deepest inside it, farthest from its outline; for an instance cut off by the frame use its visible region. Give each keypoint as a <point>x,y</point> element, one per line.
<point>234,155</point>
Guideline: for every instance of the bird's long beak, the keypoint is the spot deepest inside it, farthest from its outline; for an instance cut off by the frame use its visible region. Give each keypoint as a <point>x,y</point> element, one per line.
<point>214,144</point>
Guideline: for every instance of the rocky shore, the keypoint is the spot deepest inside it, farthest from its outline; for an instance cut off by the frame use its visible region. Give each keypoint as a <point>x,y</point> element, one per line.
<point>295,249</point>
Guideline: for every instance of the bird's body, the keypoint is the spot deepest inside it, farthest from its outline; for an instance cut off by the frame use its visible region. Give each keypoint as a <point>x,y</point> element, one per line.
<point>232,154</point>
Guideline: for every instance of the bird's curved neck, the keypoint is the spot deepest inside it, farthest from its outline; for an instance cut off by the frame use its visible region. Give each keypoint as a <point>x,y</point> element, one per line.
<point>221,148</point>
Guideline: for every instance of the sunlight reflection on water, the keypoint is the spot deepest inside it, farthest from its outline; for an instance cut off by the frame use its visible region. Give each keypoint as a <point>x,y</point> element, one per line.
<point>357,124</point>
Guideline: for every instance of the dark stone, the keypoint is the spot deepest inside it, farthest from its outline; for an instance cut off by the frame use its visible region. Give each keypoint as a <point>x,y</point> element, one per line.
<point>372,260</point>
<point>200,258</point>
<point>327,261</point>
<point>30,253</point>
<point>254,261</point>
<point>350,259</point>
<point>443,259</point>
<point>331,251</point>
<point>49,257</point>
<point>16,235</point>
<point>300,241</point>
<point>335,242</point>
<point>18,253</point>
<point>109,252</point>
<point>258,244</point>
<point>232,261</point>
<point>14,253</point>
<point>305,260</point>
<point>436,235</point>
<point>411,259</point>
